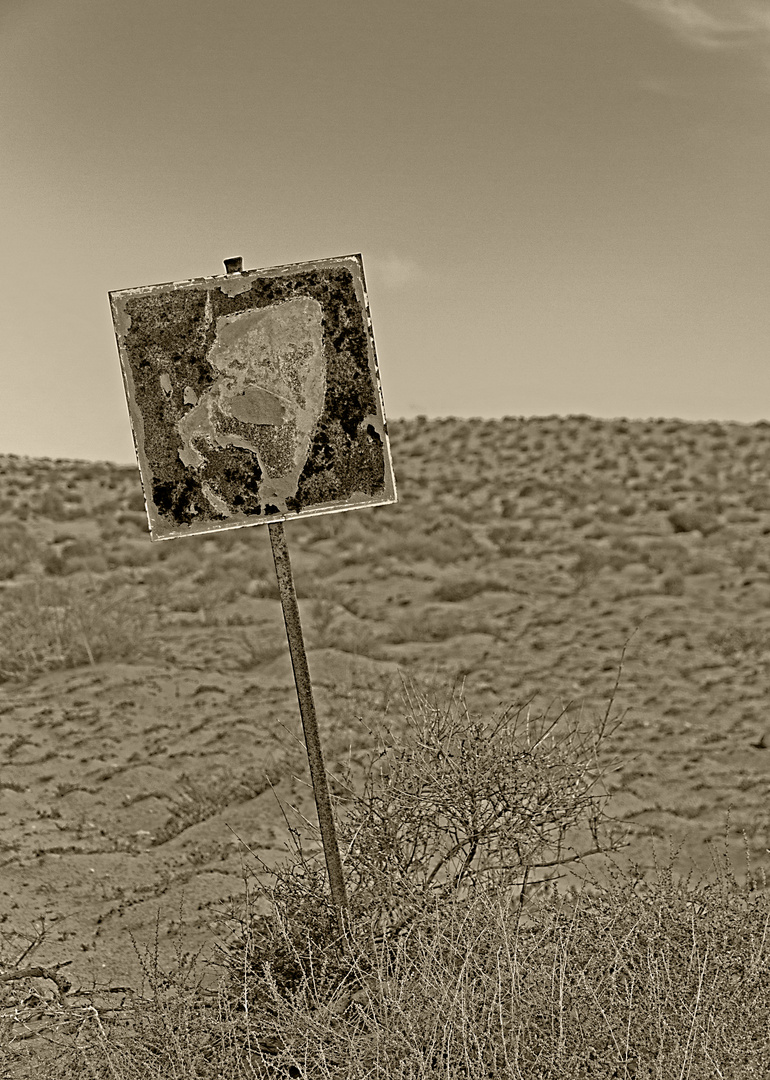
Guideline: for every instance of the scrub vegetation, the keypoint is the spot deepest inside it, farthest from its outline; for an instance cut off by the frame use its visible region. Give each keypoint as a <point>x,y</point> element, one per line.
<point>541,680</point>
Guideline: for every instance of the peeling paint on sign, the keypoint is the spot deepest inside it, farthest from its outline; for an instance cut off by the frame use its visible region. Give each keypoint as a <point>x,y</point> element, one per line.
<point>254,397</point>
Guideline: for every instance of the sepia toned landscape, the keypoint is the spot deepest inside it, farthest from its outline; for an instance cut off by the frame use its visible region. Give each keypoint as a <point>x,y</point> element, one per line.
<point>150,743</point>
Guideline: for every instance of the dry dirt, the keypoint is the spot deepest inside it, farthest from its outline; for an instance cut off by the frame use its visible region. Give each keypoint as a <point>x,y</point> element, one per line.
<point>145,751</point>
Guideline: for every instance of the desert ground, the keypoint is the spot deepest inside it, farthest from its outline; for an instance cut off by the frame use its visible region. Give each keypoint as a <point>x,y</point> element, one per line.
<point>150,742</point>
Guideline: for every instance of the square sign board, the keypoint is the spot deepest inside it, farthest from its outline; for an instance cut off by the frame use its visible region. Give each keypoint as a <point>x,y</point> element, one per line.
<point>254,396</point>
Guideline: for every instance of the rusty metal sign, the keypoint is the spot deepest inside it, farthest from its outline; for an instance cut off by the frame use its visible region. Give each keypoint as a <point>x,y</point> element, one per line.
<point>254,396</point>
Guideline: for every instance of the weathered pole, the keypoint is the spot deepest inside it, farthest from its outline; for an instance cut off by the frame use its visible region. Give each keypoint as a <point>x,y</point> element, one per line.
<point>307,711</point>
<point>309,722</point>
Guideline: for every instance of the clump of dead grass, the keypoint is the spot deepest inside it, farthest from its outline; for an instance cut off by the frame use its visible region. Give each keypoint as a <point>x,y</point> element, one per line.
<point>45,625</point>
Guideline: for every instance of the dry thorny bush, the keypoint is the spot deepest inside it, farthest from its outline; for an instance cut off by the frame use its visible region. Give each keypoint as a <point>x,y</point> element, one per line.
<point>450,807</point>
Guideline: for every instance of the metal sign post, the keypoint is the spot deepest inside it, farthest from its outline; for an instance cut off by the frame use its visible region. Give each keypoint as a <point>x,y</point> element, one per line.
<point>309,721</point>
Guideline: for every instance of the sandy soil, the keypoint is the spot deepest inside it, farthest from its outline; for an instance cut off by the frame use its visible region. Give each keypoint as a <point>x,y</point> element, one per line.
<point>137,789</point>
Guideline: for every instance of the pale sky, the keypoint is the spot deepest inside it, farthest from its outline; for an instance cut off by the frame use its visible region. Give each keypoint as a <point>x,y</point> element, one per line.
<point>563,206</point>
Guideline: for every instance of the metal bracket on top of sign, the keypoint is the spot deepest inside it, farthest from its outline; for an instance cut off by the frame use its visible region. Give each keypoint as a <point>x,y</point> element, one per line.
<point>255,397</point>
